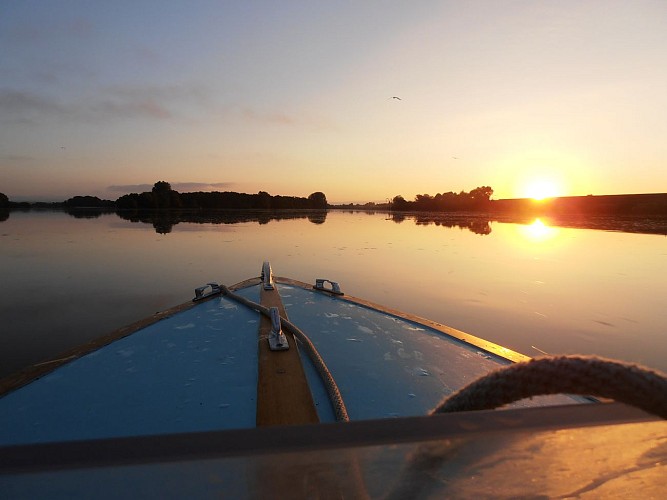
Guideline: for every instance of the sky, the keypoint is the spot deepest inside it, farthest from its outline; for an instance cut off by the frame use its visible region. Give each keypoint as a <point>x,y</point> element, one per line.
<point>562,97</point>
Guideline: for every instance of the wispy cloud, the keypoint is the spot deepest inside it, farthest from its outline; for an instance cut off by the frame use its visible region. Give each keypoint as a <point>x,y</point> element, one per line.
<point>298,119</point>
<point>267,117</point>
<point>116,102</point>
<point>178,186</point>
<point>25,106</point>
<point>151,101</point>
<point>15,159</point>
<point>200,186</point>
<point>131,107</point>
<point>129,188</point>
<point>33,33</point>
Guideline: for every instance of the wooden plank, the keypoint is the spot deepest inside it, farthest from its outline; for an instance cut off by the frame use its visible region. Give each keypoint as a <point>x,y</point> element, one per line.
<point>283,394</point>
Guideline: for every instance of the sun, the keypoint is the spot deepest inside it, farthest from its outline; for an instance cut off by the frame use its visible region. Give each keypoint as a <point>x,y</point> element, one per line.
<point>541,189</point>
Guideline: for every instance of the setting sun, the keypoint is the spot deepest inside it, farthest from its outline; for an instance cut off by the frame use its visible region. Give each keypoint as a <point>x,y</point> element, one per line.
<point>541,189</point>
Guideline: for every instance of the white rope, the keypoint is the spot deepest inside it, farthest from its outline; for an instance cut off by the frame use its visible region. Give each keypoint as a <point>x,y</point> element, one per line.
<point>333,392</point>
<point>584,375</point>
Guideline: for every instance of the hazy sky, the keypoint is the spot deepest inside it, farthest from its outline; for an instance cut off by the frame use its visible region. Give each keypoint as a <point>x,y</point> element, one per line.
<point>292,97</point>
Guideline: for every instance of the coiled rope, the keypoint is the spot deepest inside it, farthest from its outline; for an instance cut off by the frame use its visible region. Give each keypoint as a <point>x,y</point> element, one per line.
<point>583,375</point>
<point>333,392</point>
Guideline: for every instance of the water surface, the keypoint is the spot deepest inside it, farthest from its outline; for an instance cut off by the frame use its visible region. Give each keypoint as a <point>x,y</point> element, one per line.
<point>530,286</point>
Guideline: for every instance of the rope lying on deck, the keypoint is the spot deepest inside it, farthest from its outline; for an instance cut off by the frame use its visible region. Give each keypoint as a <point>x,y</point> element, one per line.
<point>329,383</point>
<point>584,375</point>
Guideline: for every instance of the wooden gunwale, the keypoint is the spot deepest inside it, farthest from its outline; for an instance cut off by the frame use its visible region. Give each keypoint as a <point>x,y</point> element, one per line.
<point>485,345</point>
<point>33,372</point>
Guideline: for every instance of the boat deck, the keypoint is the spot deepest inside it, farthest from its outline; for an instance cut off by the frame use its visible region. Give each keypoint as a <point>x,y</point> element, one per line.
<point>193,371</point>
<point>198,371</point>
<point>169,410</point>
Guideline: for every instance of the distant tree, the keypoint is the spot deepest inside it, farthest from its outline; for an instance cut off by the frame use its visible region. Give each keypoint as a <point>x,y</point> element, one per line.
<point>164,196</point>
<point>128,202</point>
<point>4,201</point>
<point>87,202</point>
<point>263,200</point>
<point>399,203</point>
<point>317,200</point>
<point>425,202</point>
<point>483,193</point>
<point>161,187</point>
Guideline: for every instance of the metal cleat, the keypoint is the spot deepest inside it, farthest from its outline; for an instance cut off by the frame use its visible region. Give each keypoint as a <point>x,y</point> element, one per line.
<point>267,276</point>
<point>200,292</point>
<point>277,339</point>
<point>335,287</point>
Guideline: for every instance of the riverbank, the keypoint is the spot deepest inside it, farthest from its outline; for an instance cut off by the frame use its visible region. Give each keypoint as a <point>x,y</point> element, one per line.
<point>654,204</point>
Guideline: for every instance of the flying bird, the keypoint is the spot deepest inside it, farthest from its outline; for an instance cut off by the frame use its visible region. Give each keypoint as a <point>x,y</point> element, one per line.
<point>394,97</point>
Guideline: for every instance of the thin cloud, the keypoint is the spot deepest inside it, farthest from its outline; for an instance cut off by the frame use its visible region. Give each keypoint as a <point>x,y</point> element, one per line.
<point>200,186</point>
<point>118,102</point>
<point>178,186</point>
<point>138,106</point>
<point>16,159</point>
<point>25,106</point>
<point>32,33</point>
<point>130,188</point>
<point>157,102</point>
<point>279,118</point>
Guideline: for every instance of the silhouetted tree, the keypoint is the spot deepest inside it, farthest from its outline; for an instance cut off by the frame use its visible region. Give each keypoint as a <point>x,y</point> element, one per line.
<point>4,207</point>
<point>477,200</point>
<point>480,197</point>
<point>425,202</point>
<point>482,193</point>
<point>263,200</point>
<point>161,187</point>
<point>87,202</point>
<point>317,200</point>
<point>164,196</point>
<point>399,203</point>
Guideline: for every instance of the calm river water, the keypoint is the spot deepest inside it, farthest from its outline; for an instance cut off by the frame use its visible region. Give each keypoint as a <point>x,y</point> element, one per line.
<point>529,286</point>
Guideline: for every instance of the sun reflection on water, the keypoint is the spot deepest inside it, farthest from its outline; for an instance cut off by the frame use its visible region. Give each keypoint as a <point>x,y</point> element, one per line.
<point>538,232</point>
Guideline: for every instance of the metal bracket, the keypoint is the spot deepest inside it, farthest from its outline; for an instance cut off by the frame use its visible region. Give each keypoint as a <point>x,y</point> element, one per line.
<point>335,287</point>
<point>200,292</point>
<point>267,276</point>
<point>277,339</point>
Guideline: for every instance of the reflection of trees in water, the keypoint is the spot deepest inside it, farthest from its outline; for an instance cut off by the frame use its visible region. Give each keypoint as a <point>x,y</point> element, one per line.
<point>4,214</point>
<point>475,223</point>
<point>481,224</point>
<point>164,221</point>
<point>87,213</point>
<point>624,224</point>
<point>318,218</point>
<point>398,217</point>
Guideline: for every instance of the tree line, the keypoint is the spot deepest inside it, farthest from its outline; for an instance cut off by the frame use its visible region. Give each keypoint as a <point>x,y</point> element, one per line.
<point>479,199</point>
<point>162,196</point>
